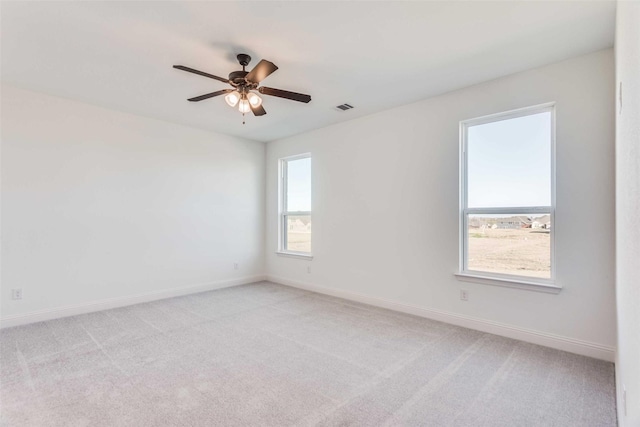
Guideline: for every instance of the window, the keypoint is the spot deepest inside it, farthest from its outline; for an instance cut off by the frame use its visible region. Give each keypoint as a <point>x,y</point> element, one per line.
<point>508,196</point>
<point>295,211</point>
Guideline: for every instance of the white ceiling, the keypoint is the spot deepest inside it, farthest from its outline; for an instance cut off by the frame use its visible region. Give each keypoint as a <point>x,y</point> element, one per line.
<point>373,55</point>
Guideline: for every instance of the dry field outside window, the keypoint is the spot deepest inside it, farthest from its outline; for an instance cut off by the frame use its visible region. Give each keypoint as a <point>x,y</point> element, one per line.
<point>299,233</point>
<point>519,251</point>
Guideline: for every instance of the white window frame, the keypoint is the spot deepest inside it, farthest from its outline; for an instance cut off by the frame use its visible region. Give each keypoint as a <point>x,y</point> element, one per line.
<point>283,212</point>
<point>500,279</point>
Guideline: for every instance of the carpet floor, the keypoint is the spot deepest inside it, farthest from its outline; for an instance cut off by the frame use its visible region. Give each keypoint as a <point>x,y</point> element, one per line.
<point>270,355</point>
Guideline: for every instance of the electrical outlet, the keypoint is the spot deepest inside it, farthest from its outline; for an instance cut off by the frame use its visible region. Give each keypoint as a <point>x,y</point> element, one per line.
<point>464,295</point>
<point>16,294</point>
<point>309,269</point>
<point>235,265</point>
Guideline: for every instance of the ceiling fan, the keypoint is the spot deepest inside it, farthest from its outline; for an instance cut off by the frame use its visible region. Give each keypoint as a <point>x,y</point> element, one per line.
<point>244,84</point>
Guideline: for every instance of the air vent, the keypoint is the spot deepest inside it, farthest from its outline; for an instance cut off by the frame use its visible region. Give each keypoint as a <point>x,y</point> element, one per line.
<point>344,107</point>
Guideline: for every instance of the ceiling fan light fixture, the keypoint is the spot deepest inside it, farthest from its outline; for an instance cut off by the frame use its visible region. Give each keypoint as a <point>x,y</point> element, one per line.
<point>232,98</point>
<point>244,106</point>
<point>254,100</point>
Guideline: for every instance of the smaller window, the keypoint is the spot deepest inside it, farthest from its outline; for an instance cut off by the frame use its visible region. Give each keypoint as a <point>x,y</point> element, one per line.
<point>295,210</point>
<point>507,196</point>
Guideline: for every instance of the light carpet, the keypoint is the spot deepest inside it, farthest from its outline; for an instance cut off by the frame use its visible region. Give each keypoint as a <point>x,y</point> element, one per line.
<point>270,355</point>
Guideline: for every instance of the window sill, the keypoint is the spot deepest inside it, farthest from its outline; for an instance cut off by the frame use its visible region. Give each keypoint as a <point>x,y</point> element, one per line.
<point>294,255</point>
<point>509,283</point>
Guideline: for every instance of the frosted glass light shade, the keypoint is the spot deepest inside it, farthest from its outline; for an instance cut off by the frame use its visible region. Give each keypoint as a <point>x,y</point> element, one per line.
<point>254,99</point>
<point>243,106</point>
<point>232,98</point>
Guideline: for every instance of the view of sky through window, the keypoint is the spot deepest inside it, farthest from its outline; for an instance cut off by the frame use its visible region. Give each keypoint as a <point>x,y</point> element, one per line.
<point>509,162</point>
<point>299,185</point>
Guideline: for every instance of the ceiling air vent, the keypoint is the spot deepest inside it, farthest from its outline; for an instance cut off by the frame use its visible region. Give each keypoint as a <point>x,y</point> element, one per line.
<point>344,107</point>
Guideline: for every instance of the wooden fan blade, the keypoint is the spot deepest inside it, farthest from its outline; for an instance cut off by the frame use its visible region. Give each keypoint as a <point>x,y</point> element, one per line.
<point>300,97</point>
<point>200,73</point>
<point>261,71</point>
<point>210,95</point>
<point>258,111</point>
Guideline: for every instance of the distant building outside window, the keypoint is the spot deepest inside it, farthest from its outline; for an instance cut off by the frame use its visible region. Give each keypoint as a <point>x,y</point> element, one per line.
<point>508,195</point>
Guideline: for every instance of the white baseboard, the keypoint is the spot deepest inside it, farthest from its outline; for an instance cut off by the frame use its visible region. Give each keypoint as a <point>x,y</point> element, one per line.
<point>105,304</point>
<point>571,345</point>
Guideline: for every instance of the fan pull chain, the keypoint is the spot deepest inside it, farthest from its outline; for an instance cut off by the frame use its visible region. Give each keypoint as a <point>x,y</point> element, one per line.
<point>242,118</point>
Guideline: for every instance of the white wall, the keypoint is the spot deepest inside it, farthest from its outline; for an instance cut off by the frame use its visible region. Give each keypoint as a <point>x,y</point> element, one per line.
<point>628,211</point>
<point>385,207</point>
<point>98,204</point>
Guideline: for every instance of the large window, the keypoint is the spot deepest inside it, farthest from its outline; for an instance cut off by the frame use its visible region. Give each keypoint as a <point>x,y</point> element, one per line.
<point>507,195</point>
<point>295,211</point>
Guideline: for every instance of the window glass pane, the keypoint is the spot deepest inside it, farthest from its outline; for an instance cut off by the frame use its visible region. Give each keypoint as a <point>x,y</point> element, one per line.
<point>510,244</point>
<point>299,185</point>
<point>509,162</point>
<point>298,233</point>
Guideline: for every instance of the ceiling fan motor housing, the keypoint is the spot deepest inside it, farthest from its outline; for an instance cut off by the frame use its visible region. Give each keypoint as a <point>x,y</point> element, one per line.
<point>236,78</point>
